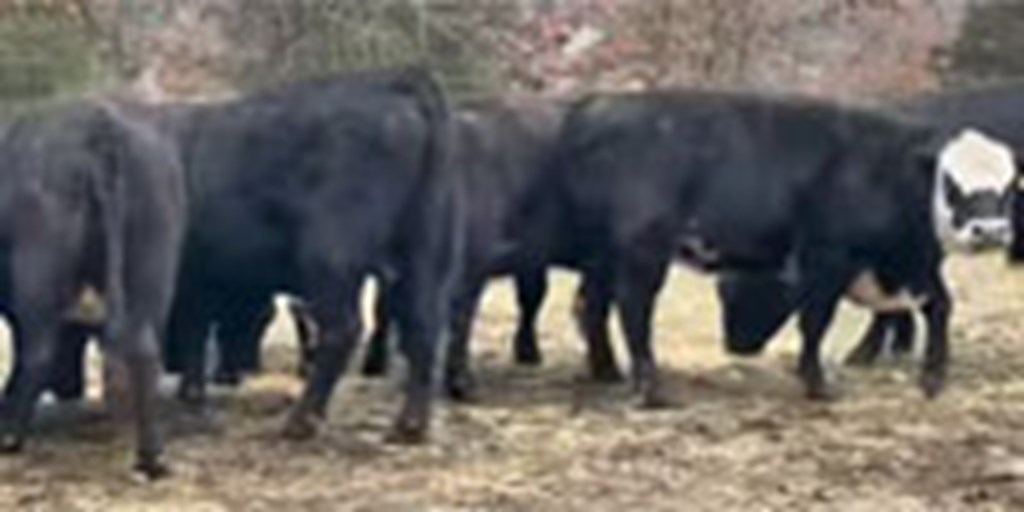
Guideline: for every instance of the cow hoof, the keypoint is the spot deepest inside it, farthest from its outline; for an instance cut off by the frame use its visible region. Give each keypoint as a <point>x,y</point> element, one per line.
<point>823,393</point>
<point>525,350</point>
<point>204,421</point>
<point>606,374</point>
<point>301,427</point>
<point>932,385</point>
<point>152,471</point>
<point>69,392</point>
<point>901,356</point>
<point>407,433</point>
<point>531,358</point>
<point>11,444</point>
<point>461,387</point>
<point>69,399</point>
<point>375,362</point>
<point>192,396</point>
<point>228,379</point>
<point>653,401</point>
<point>861,358</point>
<point>375,368</point>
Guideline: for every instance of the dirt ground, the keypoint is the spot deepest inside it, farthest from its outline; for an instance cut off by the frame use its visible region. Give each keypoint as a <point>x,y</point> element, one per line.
<point>741,437</point>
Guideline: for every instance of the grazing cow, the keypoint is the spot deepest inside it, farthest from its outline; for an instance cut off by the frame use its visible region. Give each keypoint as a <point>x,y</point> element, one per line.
<point>307,190</point>
<point>980,158</point>
<point>843,199</point>
<point>92,198</point>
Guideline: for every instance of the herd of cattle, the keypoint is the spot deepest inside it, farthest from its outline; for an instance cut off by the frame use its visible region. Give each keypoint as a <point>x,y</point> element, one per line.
<point>155,226</point>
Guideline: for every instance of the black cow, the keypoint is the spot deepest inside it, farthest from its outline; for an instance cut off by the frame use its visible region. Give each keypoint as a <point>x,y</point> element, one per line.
<point>841,198</point>
<point>307,190</point>
<point>92,197</point>
<point>990,110</point>
<point>500,150</point>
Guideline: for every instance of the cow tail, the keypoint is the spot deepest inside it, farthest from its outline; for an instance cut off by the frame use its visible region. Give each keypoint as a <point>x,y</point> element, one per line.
<point>436,112</point>
<point>432,231</point>
<point>109,193</point>
<point>446,182</point>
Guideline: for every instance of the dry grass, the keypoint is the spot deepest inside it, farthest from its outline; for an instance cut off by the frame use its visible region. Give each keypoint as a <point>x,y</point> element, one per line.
<point>742,437</point>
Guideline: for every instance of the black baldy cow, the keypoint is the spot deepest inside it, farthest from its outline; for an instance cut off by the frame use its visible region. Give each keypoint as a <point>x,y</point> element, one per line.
<point>841,197</point>
<point>91,197</point>
<point>992,110</point>
<point>972,206</point>
<point>972,198</point>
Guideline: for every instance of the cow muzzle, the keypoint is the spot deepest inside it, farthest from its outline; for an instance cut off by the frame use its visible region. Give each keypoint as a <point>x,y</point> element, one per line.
<point>754,308</point>
<point>985,234</point>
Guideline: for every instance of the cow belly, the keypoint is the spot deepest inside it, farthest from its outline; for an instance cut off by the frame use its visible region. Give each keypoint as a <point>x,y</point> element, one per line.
<point>867,292</point>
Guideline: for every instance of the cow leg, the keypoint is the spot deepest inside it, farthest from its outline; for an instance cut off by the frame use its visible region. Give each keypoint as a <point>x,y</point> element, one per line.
<point>531,286</point>
<point>136,322</point>
<point>17,363</point>
<point>336,313</point>
<point>67,371</point>
<point>895,330</point>
<point>144,371</point>
<point>591,308</point>
<point>67,376</point>
<point>459,380</point>
<point>239,334</point>
<point>131,337</point>
<point>41,288</point>
<point>903,332</point>
<point>188,333</point>
<point>637,288</point>
<point>40,337</point>
<point>308,334</point>
<point>871,345</point>
<point>422,308</point>
<point>137,349</point>
<point>820,300</point>
<point>936,357</point>
<point>377,359</point>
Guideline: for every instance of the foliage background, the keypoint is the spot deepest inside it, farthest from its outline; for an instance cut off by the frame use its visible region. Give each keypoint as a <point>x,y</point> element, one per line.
<point>861,50</point>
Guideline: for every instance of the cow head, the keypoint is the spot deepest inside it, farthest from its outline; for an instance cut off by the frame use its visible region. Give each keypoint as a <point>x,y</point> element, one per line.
<point>973,192</point>
<point>754,308</point>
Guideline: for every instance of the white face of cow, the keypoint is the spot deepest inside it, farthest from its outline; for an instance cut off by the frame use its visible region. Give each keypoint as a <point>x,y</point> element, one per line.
<point>973,192</point>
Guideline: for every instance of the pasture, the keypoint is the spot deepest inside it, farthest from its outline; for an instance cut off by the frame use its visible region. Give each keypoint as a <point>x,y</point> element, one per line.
<point>740,437</point>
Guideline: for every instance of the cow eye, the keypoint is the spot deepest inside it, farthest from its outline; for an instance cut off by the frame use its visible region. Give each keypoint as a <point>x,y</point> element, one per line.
<point>952,191</point>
